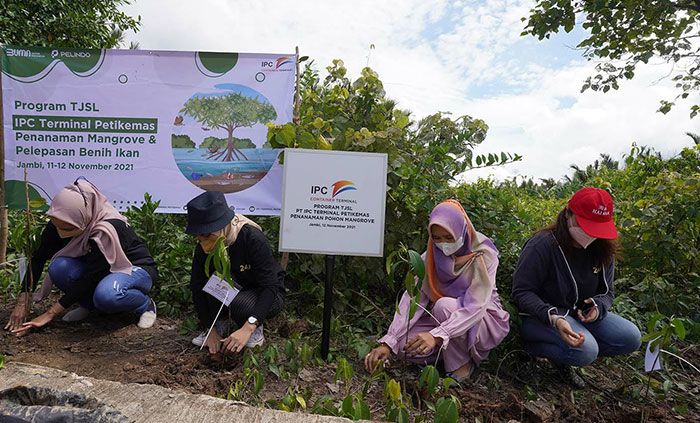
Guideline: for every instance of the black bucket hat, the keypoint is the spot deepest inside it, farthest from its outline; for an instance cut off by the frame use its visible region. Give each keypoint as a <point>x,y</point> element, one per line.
<point>207,213</point>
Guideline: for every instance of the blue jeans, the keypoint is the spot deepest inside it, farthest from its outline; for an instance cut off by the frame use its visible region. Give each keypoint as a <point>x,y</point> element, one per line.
<point>115,293</point>
<point>611,335</point>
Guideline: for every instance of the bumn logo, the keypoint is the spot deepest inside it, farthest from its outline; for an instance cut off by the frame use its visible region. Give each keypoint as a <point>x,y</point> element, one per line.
<point>15,52</point>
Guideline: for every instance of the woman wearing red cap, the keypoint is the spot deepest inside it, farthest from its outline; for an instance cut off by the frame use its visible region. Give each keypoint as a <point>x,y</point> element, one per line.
<point>563,283</point>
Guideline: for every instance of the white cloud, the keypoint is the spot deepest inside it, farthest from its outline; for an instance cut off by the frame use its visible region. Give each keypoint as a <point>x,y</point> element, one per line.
<point>468,44</point>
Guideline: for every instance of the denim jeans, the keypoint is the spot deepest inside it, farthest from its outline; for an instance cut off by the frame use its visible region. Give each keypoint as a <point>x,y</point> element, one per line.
<point>115,293</point>
<point>612,335</point>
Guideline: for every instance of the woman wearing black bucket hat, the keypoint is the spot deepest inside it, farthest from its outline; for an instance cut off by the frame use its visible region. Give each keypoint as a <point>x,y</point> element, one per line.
<point>253,267</point>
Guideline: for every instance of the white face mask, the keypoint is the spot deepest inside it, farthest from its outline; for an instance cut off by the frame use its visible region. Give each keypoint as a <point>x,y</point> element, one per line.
<point>579,235</point>
<point>449,248</point>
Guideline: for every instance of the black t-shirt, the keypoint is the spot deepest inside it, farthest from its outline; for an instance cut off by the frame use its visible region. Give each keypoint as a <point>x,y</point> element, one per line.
<point>253,267</point>
<point>96,265</point>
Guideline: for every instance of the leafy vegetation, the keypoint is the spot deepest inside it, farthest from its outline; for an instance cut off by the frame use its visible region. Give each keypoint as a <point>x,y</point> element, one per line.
<point>657,283</point>
<point>626,33</point>
<point>81,24</point>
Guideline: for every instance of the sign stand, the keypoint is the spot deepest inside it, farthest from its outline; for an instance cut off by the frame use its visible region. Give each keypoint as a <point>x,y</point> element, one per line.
<point>333,204</point>
<point>327,307</point>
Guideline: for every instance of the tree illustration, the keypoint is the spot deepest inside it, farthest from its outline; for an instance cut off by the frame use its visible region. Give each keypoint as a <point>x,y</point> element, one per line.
<point>229,112</point>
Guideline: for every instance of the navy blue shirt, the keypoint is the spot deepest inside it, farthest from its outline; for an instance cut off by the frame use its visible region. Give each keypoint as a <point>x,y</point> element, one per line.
<point>547,282</point>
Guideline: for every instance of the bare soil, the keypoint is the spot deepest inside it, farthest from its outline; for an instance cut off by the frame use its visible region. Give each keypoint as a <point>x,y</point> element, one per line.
<point>514,388</point>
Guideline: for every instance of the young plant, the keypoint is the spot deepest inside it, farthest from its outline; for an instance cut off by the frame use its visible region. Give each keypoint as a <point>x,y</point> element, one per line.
<point>344,373</point>
<point>396,411</point>
<point>354,407</point>
<point>447,410</point>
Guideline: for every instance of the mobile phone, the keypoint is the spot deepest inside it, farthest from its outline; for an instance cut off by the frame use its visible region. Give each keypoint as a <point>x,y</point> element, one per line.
<point>584,307</point>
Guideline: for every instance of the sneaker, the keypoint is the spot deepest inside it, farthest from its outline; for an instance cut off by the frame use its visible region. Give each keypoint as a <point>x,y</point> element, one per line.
<point>148,317</point>
<point>256,338</point>
<point>76,315</point>
<point>569,375</point>
<point>221,327</point>
<point>199,339</point>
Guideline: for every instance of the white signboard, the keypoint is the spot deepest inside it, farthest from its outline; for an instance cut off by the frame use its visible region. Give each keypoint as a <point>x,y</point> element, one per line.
<point>333,202</point>
<point>169,123</point>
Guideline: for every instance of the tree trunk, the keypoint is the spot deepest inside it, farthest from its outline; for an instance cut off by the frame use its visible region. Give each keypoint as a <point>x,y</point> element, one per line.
<point>229,146</point>
<point>231,150</point>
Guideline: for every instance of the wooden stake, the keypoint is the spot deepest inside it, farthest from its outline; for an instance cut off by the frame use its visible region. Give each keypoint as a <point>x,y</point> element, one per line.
<point>28,242</point>
<point>3,208</point>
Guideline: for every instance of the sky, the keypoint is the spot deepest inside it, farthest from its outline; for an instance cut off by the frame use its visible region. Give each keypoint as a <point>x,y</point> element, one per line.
<point>461,57</point>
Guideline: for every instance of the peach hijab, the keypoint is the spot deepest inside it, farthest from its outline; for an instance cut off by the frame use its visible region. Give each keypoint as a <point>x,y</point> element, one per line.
<point>82,205</point>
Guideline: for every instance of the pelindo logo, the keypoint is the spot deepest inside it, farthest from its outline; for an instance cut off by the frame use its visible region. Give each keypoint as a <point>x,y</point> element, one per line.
<point>281,61</point>
<point>342,186</point>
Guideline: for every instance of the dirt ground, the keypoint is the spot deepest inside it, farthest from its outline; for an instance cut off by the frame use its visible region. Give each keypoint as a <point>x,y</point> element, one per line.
<point>113,348</point>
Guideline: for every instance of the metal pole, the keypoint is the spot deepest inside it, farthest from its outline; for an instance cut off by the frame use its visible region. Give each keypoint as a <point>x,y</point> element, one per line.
<point>327,307</point>
<point>296,119</point>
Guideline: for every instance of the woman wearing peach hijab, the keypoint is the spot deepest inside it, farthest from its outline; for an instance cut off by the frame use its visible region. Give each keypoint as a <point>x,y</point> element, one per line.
<point>460,318</point>
<point>97,260</point>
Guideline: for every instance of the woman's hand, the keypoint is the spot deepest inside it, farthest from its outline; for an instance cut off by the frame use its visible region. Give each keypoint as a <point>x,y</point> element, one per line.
<point>422,344</point>
<point>237,340</point>
<point>377,356</point>
<point>567,334</point>
<point>19,314</point>
<point>40,321</point>
<point>213,342</point>
<point>592,314</point>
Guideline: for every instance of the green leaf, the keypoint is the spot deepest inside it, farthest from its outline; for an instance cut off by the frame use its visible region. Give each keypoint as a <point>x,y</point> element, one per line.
<point>318,123</point>
<point>446,411</point>
<point>410,284</point>
<point>390,260</point>
<point>301,401</point>
<point>412,308</point>
<point>679,328</point>
<point>448,382</point>
<point>362,410</point>
<point>393,391</point>
<point>344,371</point>
<point>37,203</point>
<point>417,264</point>
<point>2,361</point>
<point>429,379</point>
<point>259,382</point>
<point>308,140</point>
<point>275,370</point>
<point>347,406</point>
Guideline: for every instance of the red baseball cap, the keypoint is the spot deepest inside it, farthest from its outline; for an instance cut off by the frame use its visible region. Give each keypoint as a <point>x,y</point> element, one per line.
<point>593,208</point>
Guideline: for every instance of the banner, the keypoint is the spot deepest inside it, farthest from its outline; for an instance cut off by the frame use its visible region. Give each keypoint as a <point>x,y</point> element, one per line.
<point>171,124</point>
<point>333,202</point>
